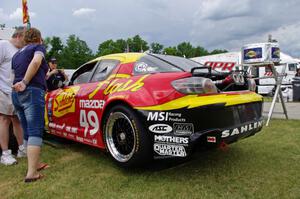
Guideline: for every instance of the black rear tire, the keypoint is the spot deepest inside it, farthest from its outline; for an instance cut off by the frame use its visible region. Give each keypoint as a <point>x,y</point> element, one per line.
<point>126,139</point>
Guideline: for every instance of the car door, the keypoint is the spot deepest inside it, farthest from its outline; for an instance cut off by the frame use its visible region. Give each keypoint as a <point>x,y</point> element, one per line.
<point>90,101</point>
<point>62,103</point>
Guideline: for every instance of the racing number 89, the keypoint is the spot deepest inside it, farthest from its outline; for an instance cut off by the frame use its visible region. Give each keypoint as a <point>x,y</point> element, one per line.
<point>89,120</point>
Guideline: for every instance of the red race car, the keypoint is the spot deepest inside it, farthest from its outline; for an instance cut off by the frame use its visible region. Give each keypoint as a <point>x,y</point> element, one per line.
<point>140,106</point>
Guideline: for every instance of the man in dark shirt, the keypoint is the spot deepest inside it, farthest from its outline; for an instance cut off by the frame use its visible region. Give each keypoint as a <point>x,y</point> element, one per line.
<point>55,77</point>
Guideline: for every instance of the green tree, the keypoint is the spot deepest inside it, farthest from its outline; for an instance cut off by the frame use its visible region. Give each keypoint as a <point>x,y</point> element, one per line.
<point>54,47</point>
<point>218,51</point>
<point>185,49</point>
<point>75,53</point>
<point>110,47</point>
<point>105,48</point>
<point>137,44</point>
<point>200,51</point>
<point>170,51</point>
<point>156,48</point>
<point>121,45</point>
<point>46,43</point>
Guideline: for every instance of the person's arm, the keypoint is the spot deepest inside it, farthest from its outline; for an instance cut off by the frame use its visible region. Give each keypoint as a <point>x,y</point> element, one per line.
<point>49,73</point>
<point>64,74</point>
<point>31,71</point>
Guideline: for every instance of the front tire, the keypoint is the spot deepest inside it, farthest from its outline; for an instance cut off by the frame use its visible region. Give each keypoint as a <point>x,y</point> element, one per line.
<point>126,139</point>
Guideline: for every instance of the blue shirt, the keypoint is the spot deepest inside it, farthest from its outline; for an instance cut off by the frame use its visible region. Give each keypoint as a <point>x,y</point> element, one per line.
<point>21,61</point>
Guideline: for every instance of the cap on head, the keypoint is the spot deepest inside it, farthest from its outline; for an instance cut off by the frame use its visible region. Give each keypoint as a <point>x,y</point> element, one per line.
<point>53,60</point>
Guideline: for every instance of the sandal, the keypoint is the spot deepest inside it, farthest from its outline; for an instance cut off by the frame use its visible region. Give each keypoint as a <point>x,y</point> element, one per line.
<point>27,180</point>
<point>42,166</point>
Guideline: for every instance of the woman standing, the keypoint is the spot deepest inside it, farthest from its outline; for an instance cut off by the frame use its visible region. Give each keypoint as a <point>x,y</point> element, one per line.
<point>30,69</point>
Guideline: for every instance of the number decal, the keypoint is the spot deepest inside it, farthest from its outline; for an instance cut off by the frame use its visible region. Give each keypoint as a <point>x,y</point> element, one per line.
<point>89,120</point>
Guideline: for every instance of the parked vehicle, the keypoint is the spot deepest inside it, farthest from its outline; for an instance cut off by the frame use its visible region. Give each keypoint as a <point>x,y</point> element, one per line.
<point>140,106</point>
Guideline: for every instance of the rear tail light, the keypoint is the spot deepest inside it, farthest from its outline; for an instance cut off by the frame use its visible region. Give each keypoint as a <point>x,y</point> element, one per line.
<point>251,85</point>
<point>195,85</point>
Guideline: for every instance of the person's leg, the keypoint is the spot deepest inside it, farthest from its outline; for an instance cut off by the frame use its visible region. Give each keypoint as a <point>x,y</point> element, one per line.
<point>6,109</point>
<point>20,125</point>
<point>17,129</point>
<point>6,157</point>
<point>34,113</point>
<point>4,131</point>
<point>33,156</point>
<point>19,136</point>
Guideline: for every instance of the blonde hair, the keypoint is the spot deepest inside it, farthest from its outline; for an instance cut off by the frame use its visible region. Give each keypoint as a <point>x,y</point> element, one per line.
<point>32,35</point>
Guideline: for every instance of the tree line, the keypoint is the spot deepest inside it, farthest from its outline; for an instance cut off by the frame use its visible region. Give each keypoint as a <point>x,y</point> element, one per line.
<point>75,51</point>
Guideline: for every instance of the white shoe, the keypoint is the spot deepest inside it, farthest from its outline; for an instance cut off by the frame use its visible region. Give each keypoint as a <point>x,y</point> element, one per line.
<point>7,158</point>
<point>22,152</point>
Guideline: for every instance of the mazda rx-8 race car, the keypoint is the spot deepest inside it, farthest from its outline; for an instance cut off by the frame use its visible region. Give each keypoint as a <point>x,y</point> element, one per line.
<point>140,106</point>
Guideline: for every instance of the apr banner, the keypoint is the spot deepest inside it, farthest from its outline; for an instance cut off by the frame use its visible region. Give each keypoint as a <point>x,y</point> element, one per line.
<point>25,12</point>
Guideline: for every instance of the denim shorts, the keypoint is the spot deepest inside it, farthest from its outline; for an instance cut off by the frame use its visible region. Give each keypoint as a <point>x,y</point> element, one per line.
<point>30,107</point>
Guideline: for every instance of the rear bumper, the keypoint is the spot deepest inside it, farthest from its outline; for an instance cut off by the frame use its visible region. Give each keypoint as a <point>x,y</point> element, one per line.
<point>177,132</point>
<point>217,137</point>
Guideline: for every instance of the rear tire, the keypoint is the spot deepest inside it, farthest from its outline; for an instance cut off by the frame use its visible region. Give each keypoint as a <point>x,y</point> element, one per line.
<point>126,140</point>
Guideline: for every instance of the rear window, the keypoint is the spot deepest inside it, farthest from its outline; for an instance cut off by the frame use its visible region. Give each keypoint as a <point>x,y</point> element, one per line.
<point>150,64</point>
<point>183,63</point>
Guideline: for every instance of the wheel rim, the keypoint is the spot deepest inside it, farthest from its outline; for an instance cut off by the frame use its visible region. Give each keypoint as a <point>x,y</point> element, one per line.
<point>120,136</point>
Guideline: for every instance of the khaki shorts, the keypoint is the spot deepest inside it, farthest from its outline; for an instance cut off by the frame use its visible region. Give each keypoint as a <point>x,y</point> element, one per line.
<point>6,105</point>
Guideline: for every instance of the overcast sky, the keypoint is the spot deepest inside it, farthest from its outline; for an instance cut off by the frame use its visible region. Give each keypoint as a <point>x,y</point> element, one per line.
<point>223,24</point>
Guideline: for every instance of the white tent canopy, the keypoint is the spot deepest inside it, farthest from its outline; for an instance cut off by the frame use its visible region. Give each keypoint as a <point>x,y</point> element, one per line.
<point>236,58</point>
<point>6,33</point>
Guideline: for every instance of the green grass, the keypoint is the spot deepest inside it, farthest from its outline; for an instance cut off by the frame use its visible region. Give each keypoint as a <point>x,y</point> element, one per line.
<point>266,165</point>
<point>268,99</point>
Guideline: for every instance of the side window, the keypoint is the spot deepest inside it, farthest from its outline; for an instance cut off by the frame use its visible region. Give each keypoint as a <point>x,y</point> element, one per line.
<point>83,74</point>
<point>103,70</point>
<point>292,67</point>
